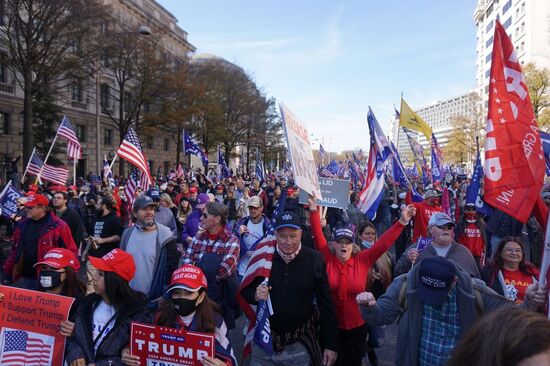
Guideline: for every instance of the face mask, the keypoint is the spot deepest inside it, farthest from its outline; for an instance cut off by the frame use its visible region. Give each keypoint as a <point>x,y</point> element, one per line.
<point>50,279</point>
<point>470,216</point>
<point>185,307</point>
<point>99,211</point>
<point>366,244</point>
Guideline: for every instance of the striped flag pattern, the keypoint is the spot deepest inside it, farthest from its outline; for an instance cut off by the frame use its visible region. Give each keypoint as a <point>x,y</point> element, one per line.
<point>55,174</point>
<point>25,348</point>
<point>66,130</point>
<point>131,151</point>
<point>35,164</point>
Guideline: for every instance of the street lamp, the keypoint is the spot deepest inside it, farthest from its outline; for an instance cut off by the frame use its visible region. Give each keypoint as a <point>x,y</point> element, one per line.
<point>143,31</point>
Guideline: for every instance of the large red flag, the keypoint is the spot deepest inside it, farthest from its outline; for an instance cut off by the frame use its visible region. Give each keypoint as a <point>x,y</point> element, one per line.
<point>514,160</point>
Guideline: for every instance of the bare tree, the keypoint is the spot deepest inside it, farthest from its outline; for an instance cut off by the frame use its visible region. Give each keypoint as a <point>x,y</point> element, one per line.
<point>47,42</point>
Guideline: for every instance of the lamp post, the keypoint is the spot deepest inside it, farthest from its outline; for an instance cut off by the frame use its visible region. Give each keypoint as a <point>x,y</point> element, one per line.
<point>144,31</point>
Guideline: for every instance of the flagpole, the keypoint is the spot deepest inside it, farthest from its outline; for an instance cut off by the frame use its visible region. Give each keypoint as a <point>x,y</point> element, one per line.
<point>401,168</point>
<point>47,156</point>
<point>112,163</point>
<point>74,170</point>
<point>5,189</point>
<point>27,167</point>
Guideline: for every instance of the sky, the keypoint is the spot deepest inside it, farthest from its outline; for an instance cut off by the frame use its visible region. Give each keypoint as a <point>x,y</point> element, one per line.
<point>328,61</point>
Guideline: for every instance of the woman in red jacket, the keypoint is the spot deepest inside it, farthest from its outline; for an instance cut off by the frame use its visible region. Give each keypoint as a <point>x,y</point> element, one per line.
<point>347,269</point>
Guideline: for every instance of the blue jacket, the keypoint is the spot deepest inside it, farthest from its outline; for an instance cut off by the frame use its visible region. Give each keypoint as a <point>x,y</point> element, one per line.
<point>191,224</point>
<point>166,262</point>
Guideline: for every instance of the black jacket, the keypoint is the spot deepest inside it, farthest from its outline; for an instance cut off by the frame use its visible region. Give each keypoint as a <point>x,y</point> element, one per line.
<point>80,345</point>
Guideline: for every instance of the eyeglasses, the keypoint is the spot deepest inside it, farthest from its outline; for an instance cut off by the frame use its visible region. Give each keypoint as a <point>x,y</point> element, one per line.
<point>204,215</point>
<point>512,250</point>
<point>446,226</point>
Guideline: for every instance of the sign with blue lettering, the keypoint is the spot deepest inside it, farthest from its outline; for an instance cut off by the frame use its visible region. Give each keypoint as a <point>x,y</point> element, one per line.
<point>335,193</point>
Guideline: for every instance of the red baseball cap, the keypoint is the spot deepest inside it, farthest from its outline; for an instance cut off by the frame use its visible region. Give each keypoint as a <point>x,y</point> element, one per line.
<point>60,258</point>
<point>117,261</point>
<point>33,187</point>
<point>58,188</point>
<point>33,200</point>
<point>290,191</point>
<point>193,190</point>
<point>73,188</point>
<point>188,277</point>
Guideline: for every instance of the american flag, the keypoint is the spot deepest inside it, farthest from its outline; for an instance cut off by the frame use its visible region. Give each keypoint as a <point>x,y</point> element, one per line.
<point>259,266</point>
<point>107,173</point>
<point>74,150</point>
<point>136,179</point>
<point>130,150</point>
<point>55,174</point>
<point>25,348</point>
<point>35,164</point>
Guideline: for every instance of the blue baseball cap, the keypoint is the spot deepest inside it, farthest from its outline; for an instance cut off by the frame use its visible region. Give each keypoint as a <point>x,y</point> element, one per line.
<point>344,233</point>
<point>286,219</point>
<point>154,194</point>
<point>436,276</point>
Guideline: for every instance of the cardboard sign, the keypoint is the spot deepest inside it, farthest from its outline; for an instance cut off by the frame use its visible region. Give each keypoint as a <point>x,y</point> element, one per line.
<point>30,327</point>
<point>301,155</point>
<point>335,193</point>
<point>163,346</point>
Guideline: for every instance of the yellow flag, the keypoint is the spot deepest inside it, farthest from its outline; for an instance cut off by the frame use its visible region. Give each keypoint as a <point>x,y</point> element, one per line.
<point>409,119</point>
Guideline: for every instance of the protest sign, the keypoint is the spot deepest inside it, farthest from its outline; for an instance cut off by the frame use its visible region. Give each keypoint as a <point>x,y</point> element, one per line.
<point>335,193</point>
<point>422,243</point>
<point>165,346</point>
<point>301,156</point>
<point>30,327</point>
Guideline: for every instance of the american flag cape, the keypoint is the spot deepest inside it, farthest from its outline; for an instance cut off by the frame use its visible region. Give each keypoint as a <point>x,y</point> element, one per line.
<point>259,266</point>
<point>371,195</point>
<point>66,130</point>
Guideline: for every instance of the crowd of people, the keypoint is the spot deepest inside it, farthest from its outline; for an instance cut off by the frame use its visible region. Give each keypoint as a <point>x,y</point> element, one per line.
<point>182,252</point>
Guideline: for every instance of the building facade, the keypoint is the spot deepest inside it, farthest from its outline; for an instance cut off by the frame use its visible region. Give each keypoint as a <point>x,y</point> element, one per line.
<point>439,116</point>
<point>79,103</point>
<point>527,23</point>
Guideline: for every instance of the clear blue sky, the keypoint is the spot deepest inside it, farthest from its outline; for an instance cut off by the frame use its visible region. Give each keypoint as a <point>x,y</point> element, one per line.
<point>329,60</point>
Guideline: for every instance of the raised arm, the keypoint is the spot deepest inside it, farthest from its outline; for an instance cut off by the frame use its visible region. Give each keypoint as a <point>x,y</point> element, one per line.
<point>315,221</point>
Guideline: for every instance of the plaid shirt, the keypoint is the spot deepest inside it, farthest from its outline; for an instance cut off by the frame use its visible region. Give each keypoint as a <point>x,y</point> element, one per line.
<point>227,245</point>
<point>440,331</point>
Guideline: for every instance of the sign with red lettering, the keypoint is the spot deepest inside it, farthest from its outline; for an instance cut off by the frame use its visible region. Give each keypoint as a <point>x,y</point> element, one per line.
<point>30,327</point>
<point>163,346</point>
<point>301,155</point>
<point>514,160</point>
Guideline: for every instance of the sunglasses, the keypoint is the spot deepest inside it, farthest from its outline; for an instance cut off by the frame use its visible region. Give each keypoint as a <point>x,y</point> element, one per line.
<point>446,226</point>
<point>204,215</point>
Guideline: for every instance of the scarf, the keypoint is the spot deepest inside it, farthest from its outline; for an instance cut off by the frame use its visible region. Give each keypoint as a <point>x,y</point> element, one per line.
<point>289,257</point>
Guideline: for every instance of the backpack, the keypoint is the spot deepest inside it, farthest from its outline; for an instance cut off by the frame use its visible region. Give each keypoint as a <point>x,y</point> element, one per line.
<point>402,299</point>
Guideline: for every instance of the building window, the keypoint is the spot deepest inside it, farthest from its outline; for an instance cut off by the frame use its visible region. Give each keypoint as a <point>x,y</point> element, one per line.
<point>150,142</point>
<point>488,57</point>
<point>506,6</point>
<point>81,133</point>
<point>127,101</point>
<point>3,68</point>
<point>507,23</point>
<point>487,73</point>
<point>489,26</point>
<point>4,123</point>
<point>107,136</point>
<point>76,90</point>
<point>523,8</point>
<point>489,42</point>
<point>104,96</point>
<point>522,28</point>
<point>166,145</point>
<point>166,168</point>
<point>151,164</point>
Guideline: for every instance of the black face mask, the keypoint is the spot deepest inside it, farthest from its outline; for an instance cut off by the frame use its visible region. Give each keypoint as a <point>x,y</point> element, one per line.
<point>50,279</point>
<point>185,307</point>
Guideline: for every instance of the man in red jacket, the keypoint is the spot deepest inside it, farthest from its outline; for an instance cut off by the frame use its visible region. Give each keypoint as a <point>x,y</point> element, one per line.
<point>34,236</point>
<point>424,210</point>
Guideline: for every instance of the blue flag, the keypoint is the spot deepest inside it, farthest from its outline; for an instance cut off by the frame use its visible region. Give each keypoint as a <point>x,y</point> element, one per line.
<point>473,192</point>
<point>398,172</point>
<point>333,168</point>
<point>224,169</point>
<point>322,151</point>
<point>422,243</point>
<point>437,171</point>
<point>353,173</point>
<point>191,147</point>
<point>8,203</point>
<point>262,333</point>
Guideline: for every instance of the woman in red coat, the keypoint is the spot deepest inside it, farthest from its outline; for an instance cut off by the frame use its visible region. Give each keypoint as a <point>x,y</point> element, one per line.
<point>347,269</point>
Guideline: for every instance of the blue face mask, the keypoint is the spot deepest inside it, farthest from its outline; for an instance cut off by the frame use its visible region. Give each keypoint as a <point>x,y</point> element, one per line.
<point>366,244</point>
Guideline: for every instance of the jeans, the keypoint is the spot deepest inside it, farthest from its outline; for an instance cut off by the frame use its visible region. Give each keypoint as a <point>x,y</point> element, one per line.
<point>294,354</point>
